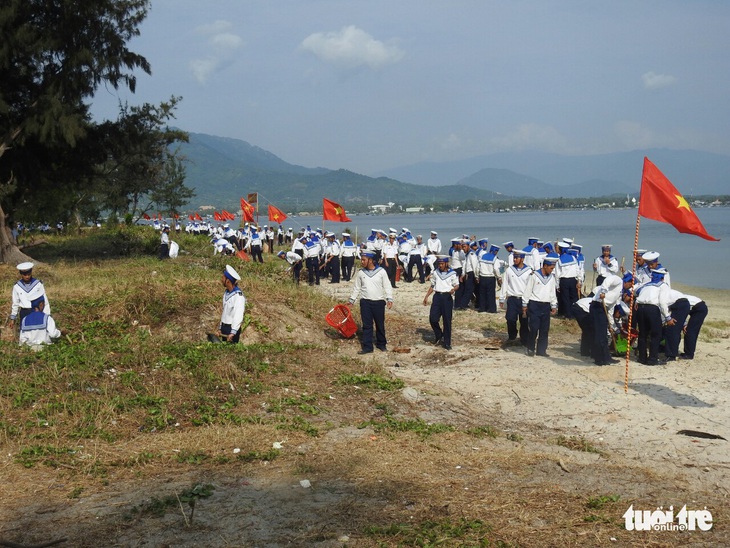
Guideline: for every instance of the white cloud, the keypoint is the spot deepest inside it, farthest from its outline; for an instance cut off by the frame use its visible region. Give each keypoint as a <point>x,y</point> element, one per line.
<point>532,136</point>
<point>226,41</point>
<point>217,27</point>
<point>351,47</point>
<point>222,44</point>
<point>653,80</point>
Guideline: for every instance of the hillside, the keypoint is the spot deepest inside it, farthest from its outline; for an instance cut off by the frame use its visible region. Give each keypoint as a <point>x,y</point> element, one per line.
<point>222,170</point>
<point>692,171</point>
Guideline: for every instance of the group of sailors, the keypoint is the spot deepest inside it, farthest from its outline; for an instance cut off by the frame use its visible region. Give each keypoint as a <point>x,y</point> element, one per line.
<point>531,284</point>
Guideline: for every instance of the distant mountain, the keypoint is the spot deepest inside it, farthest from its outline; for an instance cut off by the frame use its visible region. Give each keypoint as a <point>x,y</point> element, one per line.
<point>509,183</point>
<point>222,170</point>
<point>693,172</point>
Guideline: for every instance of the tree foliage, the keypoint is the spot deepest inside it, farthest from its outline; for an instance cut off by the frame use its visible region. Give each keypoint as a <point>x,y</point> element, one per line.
<point>54,54</point>
<point>142,170</point>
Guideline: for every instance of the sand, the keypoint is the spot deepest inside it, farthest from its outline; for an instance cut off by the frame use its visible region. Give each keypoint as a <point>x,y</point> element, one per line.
<point>635,418</point>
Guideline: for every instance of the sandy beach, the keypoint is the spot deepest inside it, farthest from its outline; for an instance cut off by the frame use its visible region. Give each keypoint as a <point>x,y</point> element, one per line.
<point>568,394</point>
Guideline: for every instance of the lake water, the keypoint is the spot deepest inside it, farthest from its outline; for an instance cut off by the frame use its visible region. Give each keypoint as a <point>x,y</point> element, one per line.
<point>691,260</point>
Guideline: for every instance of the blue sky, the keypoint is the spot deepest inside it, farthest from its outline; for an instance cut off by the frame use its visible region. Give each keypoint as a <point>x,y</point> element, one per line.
<point>367,85</point>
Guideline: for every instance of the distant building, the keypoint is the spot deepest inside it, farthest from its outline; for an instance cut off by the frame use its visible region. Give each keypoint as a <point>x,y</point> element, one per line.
<point>414,210</point>
<point>380,208</point>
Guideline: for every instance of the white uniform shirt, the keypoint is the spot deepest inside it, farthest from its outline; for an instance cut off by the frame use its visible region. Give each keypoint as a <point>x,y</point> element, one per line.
<point>611,289</point>
<point>42,330</point>
<point>655,294</point>
<point>433,245</point>
<point>234,307</point>
<point>603,269</point>
<point>514,282</point>
<point>24,294</point>
<point>540,288</point>
<point>372,285</point>
<point>444,282</point>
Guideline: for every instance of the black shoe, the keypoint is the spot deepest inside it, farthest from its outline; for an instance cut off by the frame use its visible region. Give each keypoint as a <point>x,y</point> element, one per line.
<point>685,356</point>
<point>437,341</point>
<point>671,359</point>
<point>447,347</point>
<point>544,355</point>
<point>656,362</point>
<point>365,352</point>
<point>529,352</point>
<point>383,349</point>
<point>213,338</point>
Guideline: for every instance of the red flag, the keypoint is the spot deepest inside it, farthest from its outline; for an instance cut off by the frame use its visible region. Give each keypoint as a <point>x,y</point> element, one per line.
<point>190,216</point>
<point>276,215</point>
<point>661,201</point>
<point>247,210</point>
<point>146,217</point>
<point>198,217</point>
<point>253,198</point>
<point>332,211</point>
<point>227,215</point>
<point>217,216</point>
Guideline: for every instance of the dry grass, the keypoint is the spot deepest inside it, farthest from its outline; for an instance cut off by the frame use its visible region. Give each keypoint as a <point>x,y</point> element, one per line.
<point>132,406</point>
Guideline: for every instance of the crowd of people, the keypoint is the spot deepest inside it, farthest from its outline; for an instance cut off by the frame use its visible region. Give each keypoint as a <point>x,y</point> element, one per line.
<point>531,284</point>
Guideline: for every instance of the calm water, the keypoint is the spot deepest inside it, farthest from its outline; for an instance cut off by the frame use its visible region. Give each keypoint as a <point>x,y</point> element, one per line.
<point>691,260</point>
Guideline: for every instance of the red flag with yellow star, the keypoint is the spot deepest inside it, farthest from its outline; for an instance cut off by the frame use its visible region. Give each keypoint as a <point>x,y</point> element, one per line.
<point>332,211</point>
<point>248,211</point>
<point>276,215</point>
<point>661,201</point>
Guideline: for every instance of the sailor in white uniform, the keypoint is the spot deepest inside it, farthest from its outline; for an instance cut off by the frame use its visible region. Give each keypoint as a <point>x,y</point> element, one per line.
<point>375,292</point>
<point>444,283</point>
<point>26,290</point>
<point>37,328</point>
<point>234,307</point>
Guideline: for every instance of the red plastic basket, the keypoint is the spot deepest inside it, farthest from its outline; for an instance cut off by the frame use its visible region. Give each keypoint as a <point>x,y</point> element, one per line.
<point>340,318</point>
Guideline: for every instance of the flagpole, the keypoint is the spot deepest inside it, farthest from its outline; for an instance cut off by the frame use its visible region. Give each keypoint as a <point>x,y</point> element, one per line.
<point>631,305</point>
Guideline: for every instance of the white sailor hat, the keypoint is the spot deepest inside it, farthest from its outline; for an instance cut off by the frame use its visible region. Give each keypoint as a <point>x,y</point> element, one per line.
<point>434,233</point>
<point>508,244</point>
<point>231,273</point>
<point>551,258</point>
<point>640,252</point>
<point>661,271</point>
<point>25,267</point>
<point>518,252</point>
<point>606,246</point>
<point>442,258</point>
<point>563,245</point>
<point>650,256</point>
<point>392,235</point>
<point>568,241</point>
<point>346,234</point>
<point>330,235</point>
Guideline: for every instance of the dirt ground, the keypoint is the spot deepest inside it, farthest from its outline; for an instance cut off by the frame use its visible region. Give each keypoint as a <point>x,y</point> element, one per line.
<point>570,451</point>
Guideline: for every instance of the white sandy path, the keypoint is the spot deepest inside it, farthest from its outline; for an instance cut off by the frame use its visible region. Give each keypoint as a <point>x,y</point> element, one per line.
<point>566,393</point>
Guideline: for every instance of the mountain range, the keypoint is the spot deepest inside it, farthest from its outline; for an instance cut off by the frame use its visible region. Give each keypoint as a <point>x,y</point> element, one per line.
<point>222,170</point>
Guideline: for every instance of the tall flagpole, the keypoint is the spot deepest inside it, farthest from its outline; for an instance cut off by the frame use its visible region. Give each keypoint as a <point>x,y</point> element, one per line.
<point>631,305</point>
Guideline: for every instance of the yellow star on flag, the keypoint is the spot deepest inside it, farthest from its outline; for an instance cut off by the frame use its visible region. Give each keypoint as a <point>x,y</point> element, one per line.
<point>681,202</point>
<point>338,211</point>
